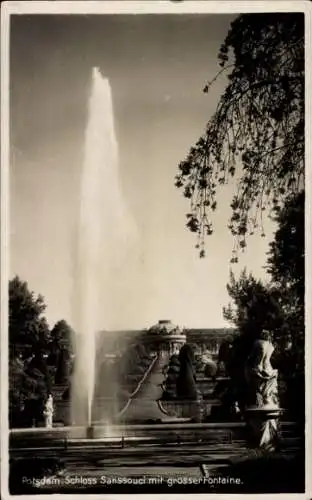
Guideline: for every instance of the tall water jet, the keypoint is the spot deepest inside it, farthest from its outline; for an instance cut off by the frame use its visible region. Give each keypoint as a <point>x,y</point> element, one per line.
<point>103,236</point>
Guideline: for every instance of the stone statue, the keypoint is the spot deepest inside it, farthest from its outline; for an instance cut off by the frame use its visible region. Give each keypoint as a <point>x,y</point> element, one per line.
<point>262,407</point>
<point>261,377</point>
<point>48,412</point>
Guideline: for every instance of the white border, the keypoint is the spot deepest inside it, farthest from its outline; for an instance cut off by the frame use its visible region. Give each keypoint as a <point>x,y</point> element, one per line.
<point>139,7</point>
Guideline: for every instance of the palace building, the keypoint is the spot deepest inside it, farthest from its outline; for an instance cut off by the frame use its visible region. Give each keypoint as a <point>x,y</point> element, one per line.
<point>165,336</point>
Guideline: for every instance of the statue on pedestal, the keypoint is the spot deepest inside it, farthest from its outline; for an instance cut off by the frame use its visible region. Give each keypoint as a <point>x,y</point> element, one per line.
<point>48,412</point>
<point>262,408</point>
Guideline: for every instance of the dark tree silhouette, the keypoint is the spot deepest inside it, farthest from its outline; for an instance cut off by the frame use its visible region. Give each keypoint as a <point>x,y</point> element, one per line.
<point>29,379</point>
<point>61,346</point>
<point>286,254</point>
<point>255,306</point>
<point>28,328</point>
<point>286,265</point>
<point>170,385</point>
<point>277,307</point>
<point>186,381</point>
<point>62,336</point>
<point>224,355</point>
<point>256,134</point>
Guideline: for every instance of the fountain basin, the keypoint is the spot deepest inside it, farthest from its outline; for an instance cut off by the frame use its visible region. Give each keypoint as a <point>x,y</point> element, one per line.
<point>19,437</point>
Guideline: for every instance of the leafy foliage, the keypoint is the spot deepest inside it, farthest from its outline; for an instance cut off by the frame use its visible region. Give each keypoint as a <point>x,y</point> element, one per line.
<point>286,255</point>
<point>62,336</point>
<point>28,329</point>
<point>29,380</point>
<point>35,354</point>
<point>186,380</point>
<point>286,265</point>
<point>170,385</point>
<point>255,306</point>
<point>256,135</point>
<point>60,350</point>
<point>277,307</point>
<point>17,392</point>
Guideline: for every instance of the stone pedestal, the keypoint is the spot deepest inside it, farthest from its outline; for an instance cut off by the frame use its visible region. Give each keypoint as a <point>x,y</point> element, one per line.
<point>48,423</point>
<point>262,424</point>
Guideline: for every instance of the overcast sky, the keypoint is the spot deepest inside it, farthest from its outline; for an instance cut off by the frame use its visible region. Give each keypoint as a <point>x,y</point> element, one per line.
<point>157,67</point>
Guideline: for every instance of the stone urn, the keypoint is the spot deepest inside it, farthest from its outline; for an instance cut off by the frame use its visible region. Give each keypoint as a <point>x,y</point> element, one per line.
<point>262,410</point>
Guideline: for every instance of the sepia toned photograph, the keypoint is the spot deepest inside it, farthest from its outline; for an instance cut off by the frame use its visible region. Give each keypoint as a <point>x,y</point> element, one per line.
<point>153,208</point>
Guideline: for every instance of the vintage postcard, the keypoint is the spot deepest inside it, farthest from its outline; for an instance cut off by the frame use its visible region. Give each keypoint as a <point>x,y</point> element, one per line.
<point>155,203</point>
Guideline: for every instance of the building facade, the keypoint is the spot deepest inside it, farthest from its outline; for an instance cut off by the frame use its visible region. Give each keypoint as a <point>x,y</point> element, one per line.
<point>167,336</point>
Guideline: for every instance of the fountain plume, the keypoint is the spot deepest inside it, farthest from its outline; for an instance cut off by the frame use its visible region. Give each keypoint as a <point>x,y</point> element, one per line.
<point>105,230</point>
